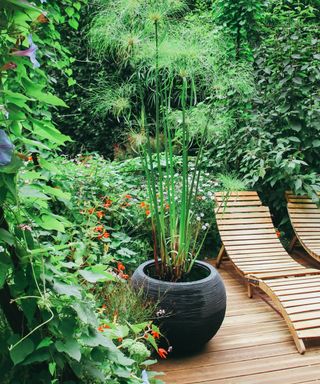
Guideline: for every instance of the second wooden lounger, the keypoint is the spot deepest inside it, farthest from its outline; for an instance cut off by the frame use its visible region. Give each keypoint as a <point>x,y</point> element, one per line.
<point>305,219</point>
<point>251,243</point>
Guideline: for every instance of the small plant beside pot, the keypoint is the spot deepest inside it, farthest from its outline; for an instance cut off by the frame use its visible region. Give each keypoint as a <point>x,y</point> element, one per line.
<point>191,292</point>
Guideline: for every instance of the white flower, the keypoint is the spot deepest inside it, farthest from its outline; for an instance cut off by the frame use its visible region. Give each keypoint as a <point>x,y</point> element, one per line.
<point>198,218</point>
<point>207,224</point>
<point>203,197</point>
<point>202,214</point>
<point>204,227</point>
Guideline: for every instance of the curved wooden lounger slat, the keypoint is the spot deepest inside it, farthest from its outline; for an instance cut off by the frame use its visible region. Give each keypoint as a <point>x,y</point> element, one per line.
<point>305,220</point>
<point>252,245</point>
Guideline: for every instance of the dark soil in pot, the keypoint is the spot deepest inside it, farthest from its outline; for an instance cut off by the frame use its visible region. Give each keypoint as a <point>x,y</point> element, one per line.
<point>194,310</point>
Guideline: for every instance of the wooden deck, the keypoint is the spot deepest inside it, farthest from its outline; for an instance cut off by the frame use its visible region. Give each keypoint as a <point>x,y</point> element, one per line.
<point>253,346</point>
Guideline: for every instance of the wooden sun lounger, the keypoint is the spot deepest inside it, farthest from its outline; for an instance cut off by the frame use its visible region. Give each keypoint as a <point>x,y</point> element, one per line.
<point>251,243</point>
<point>305,219</point>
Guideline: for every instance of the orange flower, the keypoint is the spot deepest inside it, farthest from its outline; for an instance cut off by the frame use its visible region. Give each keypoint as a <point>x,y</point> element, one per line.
<point>107,203</point>
<point>106,326</point>
<point>30,158</point>
<point>99,228</point>
<point>42,19</point>
<point>126,277</point>
<point>121,267</point>
<point>106,235</point>
<point>162,353</point>
<point>120,339</point>
<point>100,329</point>
<point>148,212</point>
<point>167,206</point>
<point>142,204</point>
<point>128,196</point>
<point>91,210</point>
<point>100,214</point>
<point>278,233</point>
<point>155,334</point>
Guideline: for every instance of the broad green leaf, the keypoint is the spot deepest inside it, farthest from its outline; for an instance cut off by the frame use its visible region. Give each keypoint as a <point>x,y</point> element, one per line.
<point>32,191</point>
<point>94,277</point>
<point>70,347</point>
<point>57,192</point>
<point>13,167</point>
<point>21,351</point>
<point>66,289</point>
<point>6,237</point>
<point>34,143</point>
<point>85,312</point>
<point>24,4</point>
<point>51,223</point>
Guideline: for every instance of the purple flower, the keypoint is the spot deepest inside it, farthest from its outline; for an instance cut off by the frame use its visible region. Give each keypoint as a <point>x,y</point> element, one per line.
<point>144,377</point>
<point>30,52</point>
<point>6,149</point>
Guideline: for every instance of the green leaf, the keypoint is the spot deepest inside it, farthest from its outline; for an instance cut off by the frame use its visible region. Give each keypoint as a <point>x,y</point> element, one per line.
<point>4,268</point>
<point>73,23</point>
<point>66,289</point>
<point>48,131</point>
<point>69,11</point>
<point>32,191</point>
<point>51,223</point>
<point>57,192</point>
<point>6,236</point>
<point>24,4</point>
<point>44,343</point>
<point>70,347</point>
<point>316,143</point>
<point>35,91</point>
<point>21,351</point>
<point>85,312</point>
<point>94,277</point>
<point>52,368</point>
<point>13,167</point>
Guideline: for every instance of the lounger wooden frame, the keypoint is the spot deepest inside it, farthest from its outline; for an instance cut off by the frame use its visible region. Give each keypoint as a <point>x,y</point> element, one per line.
<point>250,241</point>
<point>305,219</point>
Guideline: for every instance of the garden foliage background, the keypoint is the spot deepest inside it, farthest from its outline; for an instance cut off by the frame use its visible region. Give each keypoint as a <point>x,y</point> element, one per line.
<point>73,227</point>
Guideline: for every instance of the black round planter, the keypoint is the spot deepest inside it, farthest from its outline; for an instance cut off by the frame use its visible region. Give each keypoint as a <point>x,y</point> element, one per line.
<point>194,311</point>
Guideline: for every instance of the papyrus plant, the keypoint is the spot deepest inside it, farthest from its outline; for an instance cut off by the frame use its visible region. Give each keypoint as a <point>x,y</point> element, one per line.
<point>176,234</point>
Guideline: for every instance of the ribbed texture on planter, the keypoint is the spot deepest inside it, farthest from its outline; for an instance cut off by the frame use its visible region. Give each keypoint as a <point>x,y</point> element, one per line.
<point>195,309</point>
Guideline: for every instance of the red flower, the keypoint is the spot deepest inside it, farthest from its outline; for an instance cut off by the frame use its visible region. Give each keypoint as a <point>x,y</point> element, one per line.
<point>142,204</point>
<point>121,267</point>
<point>106,235</point>
<point>100,329</point>
<point>278,233</point>
<point>126,277</point>
<point>128,196</point>
<point>155,334</point>
<point>91,210</point>
<point>107,203</point>
<point>99,228</point>
<point>100,214</point>
<point>162,353</point>
<point>120,339</point>
<point>148,212</point>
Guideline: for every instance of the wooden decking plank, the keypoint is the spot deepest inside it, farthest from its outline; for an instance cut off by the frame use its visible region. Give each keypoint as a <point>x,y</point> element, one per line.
<point>238,369</point>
